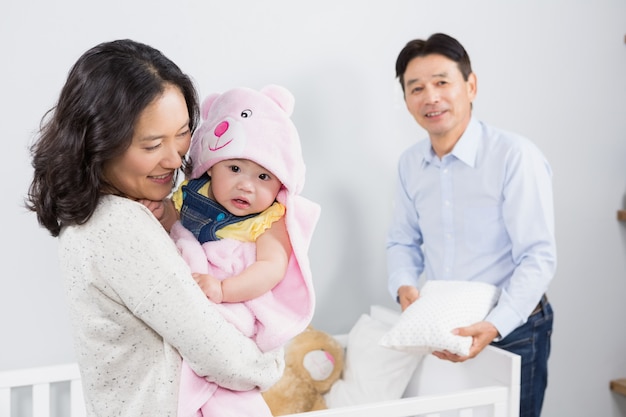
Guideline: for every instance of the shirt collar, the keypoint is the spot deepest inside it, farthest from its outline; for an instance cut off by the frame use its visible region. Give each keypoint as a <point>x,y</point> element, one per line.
<point>465,149</point>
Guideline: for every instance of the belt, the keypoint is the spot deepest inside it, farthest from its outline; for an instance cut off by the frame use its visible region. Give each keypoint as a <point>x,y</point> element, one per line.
<point>544,300</point>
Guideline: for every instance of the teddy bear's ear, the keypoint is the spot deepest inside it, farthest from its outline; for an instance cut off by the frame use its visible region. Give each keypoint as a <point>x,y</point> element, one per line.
<point>281,96</point>
<point>206,104</point>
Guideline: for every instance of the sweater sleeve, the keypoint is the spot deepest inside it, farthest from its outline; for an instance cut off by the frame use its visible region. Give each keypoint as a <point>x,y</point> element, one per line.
<point>156,285</point>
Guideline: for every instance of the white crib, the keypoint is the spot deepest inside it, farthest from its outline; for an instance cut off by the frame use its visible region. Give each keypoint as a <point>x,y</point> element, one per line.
<point>50,391</point>
<point>488,385</point>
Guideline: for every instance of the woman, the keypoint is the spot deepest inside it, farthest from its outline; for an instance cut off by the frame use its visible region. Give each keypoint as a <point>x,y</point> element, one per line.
<point>119,134</point>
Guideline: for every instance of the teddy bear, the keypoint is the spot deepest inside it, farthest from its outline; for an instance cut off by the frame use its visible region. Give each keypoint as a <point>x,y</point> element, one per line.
<point>314,361</point>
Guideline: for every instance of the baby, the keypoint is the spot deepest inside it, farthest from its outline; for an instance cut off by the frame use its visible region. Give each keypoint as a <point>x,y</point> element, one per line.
<point>244,229</point>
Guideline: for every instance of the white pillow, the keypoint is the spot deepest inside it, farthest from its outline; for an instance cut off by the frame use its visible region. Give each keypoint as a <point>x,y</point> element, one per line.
<point>426,325</point>
<point>372,373</point>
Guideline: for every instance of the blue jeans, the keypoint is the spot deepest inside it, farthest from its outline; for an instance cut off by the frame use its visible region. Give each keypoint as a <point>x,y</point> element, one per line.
<point>532,342</point>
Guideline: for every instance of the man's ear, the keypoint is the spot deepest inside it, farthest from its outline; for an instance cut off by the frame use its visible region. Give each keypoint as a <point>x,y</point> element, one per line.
<point>472,86</point>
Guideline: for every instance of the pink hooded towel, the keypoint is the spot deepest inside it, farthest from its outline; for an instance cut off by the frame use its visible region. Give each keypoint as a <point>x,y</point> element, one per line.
<point>249,124</point>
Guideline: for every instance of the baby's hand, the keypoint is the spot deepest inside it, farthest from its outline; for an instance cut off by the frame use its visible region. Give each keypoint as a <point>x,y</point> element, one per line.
<point>211,286</point>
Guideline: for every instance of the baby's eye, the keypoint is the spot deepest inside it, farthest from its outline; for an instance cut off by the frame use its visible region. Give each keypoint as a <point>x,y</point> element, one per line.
<point>234,168</point>
<point>264,177</point>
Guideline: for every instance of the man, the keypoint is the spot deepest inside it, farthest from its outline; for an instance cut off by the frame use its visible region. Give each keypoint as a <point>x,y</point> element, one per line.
<point>473,203</point>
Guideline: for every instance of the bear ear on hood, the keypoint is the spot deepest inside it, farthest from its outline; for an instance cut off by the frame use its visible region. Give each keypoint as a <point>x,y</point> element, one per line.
<point>281,96</point>
<point>207,103</point>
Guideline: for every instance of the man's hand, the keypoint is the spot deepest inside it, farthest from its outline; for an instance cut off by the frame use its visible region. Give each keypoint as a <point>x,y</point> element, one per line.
<point>407,295</point>
<point>482,334</point>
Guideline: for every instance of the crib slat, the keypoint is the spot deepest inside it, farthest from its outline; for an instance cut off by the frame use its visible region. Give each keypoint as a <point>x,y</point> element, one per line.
<point>501,409</point>
<point>76,397</point>
<point>5,401</point>
<point>466,412</point>
<point>41,400</point>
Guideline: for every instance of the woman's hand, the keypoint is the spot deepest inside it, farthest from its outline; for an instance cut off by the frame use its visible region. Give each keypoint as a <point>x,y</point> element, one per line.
<point>164,211</point>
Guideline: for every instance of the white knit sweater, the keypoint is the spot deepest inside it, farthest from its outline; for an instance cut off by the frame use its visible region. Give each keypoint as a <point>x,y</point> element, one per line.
<point>134,306</point>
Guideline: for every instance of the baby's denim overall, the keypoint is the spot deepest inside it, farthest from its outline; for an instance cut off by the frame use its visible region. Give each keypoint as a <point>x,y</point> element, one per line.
<point>203,216</point>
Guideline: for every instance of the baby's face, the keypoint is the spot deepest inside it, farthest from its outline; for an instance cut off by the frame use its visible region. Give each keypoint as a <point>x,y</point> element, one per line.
<point>243,187</point>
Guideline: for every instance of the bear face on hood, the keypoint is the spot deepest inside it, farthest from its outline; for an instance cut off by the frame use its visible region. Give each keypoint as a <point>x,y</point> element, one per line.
<point>243,123</point>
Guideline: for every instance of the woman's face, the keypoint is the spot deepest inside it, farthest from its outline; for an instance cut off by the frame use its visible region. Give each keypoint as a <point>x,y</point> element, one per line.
<point>161,138</point>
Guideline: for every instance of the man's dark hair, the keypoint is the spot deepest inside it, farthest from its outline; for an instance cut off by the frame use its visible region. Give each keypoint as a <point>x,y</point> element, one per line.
<point>438,43</point>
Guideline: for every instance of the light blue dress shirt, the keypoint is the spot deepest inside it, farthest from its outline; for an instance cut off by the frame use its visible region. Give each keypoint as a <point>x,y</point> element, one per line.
<point>484,212</point>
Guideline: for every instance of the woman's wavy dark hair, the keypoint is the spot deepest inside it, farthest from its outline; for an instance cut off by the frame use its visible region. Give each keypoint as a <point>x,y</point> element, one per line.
<point>93,121</point>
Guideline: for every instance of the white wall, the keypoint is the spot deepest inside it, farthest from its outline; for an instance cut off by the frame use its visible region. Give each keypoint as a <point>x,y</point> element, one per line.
<point>553,70</point>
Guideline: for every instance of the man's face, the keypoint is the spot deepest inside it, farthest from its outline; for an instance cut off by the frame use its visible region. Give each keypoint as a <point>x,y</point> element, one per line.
<point>438,97</point>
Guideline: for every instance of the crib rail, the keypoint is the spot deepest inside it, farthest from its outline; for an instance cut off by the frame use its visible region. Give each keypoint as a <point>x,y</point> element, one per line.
<point>493,401</point>
<point>39,381</point>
